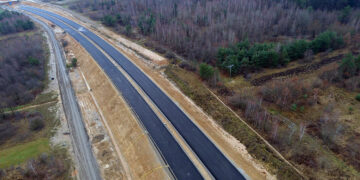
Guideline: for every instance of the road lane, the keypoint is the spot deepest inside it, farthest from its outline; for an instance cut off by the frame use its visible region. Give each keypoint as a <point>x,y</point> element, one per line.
<point>180,164</point>
<point>216,162</point>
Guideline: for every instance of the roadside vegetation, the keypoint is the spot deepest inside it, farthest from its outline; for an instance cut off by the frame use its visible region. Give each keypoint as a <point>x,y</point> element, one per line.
<point>73,63</point>
<point>27,117</point>
<point>196,29</point>
<point>289,68</point>
<point>12,22</point>
<point>22,62</point>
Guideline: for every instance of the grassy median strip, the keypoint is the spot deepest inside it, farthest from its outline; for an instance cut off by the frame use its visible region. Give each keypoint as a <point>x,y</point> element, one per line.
<point>21,153</point>
<point>193,88</point>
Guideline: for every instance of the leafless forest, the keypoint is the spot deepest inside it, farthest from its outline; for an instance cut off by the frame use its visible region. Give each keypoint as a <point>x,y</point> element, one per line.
<point>196,28</point>
<point>22,60</point>
<point>21,69</point>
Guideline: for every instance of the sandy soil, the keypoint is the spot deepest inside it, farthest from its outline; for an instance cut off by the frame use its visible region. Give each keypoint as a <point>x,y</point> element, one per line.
<point>150,65</point>
<point>104,151</point>
<point>132,145</point>
<point>61,136</point>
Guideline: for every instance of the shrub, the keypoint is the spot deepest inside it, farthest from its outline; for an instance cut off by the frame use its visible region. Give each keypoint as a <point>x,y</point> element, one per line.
<point>302,109</point>
<point>7,130</point>
<point>170,55</point>
<point>244,56</point>
<point>296,50</point>
<point>64,42</point>
<point>24,25</point>
<point>268,58</point>
<point>36,122</point>
<point>345,14</point>
<point>187,66</point>
<point>109,20</point>
<point>348,67</point>
<point>123,20</point>
<point>287,93</point>
<point>33,61</point>
<point>240,101</point>
<point>74,62</point>
<point>128,30</point>
<point>357,97</point>
<point>351,110</point>
<point>357,63</point>
<point>146,23</point>
<point>233,63</point>
<point>206,71</point>
<point>326,40</point>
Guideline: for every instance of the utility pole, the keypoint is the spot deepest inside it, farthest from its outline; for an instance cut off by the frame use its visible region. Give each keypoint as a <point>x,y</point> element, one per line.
<point>230,67</point>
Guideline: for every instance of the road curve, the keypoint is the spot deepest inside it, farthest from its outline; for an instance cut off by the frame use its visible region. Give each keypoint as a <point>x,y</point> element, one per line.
<point>215,161</point>
<point>88,167</point>
<point>173,154</point>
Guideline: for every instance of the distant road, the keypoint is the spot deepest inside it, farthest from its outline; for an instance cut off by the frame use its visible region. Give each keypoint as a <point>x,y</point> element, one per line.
<point>215,161</point>
<point>87,163</point>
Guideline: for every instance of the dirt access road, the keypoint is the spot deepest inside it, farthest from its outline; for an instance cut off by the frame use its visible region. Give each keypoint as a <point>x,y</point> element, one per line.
<point>88,168</point>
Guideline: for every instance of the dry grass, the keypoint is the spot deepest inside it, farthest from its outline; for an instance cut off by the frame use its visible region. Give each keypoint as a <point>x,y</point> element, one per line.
<point>194,88</point>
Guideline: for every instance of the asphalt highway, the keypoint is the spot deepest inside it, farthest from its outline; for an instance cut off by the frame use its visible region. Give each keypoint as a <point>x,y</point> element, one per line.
<point>180,164</point>
<point>215,161</point>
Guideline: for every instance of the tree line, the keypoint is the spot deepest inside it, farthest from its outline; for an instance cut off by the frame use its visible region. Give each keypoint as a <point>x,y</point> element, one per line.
<point>12,22</point>
<point>196,29</point>
<point>328,4</point>
<point>243,56</point>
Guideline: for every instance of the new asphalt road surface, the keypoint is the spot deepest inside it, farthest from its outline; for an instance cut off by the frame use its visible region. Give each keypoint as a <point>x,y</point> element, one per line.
<point>180,164</point>
<point>214,160</point>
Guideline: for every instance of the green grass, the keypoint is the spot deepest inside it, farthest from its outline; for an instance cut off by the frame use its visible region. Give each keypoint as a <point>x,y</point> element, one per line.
<point>44,98</point>
<point>40,99</point>
<point>21,153</point>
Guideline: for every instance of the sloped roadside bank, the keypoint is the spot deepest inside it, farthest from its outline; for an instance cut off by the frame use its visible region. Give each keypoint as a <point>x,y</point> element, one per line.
<point>87,165</point>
